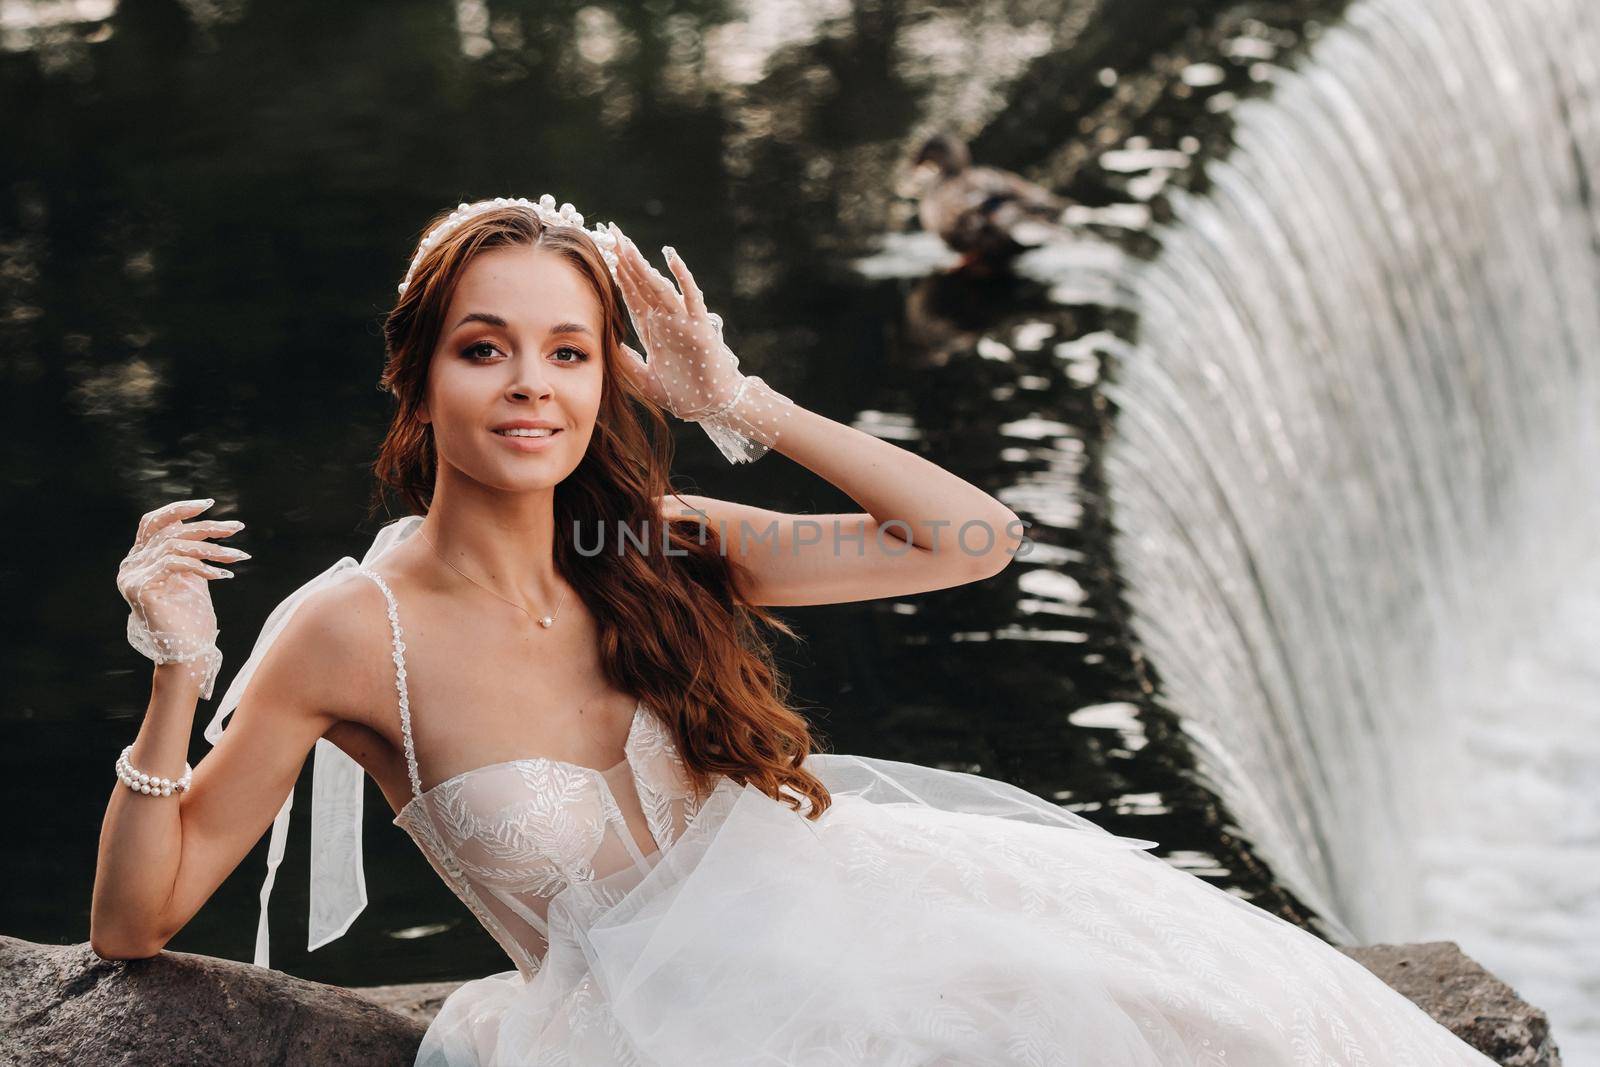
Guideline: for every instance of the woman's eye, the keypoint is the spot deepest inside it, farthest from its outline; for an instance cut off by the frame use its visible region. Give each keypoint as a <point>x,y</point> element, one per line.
<point>483,350</point>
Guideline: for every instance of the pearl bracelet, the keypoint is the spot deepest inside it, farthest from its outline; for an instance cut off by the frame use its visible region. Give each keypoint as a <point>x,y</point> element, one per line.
<point>150,784</point>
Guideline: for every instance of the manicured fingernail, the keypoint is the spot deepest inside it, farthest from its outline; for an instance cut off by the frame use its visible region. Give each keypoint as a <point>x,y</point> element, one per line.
<point>669,252</point>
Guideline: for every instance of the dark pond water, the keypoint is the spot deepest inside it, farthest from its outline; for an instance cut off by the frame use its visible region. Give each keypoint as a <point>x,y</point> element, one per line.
<point>205,208</point>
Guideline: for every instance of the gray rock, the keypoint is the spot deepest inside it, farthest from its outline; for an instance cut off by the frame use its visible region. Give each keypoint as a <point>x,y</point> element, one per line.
<point>62,1004</point>
<point>1473,1004</point>
<point>418,1000</point>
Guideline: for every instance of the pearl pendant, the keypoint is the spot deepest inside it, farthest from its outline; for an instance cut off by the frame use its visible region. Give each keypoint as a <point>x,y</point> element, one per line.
<point>546,621</point>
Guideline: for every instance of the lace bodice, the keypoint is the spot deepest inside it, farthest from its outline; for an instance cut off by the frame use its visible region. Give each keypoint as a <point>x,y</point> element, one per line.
<point>509,836</point>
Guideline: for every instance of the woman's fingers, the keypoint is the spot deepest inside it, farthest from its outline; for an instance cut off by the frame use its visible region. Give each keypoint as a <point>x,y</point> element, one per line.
<point>155,521</point>
<point>632,364</point>
<point>693,299</point>
<point>208,528</point>
<point>627,259</point>
<point>685,296</point>
<point>628,282</point>
<point>628,277</point>
<point>643,375</point>
<point>649,280</point>
<point>207,549</point>
<point>632,358</point>
<point>177,562</point>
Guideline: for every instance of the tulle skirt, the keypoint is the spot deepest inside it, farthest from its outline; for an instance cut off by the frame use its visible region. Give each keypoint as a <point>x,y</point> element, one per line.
<point>928,917</point>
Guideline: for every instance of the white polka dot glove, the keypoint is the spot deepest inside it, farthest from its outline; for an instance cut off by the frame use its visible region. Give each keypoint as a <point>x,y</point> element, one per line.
<point>687,368</point>
<point>164,579</point>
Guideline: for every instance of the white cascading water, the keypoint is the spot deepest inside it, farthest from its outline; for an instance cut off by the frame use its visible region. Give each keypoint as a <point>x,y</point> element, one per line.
<point>1356,478</point>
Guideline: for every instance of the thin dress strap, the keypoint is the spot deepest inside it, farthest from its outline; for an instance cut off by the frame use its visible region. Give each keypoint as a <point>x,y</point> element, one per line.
<point>400,681</point>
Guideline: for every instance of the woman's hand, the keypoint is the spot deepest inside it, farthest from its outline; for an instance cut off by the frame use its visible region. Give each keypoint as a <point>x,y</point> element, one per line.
<point>689,370</point>
<point>164,580</point>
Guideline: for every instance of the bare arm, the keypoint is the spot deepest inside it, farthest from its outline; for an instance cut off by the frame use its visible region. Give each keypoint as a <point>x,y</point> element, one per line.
<point>923,528</point>
<point>894,547</point>
<point>161,858</point>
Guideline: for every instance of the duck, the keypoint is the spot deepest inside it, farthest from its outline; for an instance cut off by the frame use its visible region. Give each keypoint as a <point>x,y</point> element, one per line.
<point>987,214</point>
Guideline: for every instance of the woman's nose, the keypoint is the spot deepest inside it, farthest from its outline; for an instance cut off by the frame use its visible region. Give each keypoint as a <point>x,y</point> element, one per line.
<point>529,378</point>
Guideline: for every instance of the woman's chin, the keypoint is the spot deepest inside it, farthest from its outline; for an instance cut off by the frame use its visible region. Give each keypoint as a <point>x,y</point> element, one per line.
<point>526,473</point>
<point>513,471</point>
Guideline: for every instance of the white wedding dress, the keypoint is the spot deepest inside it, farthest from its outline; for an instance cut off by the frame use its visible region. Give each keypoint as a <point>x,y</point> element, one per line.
<point>928,917</point>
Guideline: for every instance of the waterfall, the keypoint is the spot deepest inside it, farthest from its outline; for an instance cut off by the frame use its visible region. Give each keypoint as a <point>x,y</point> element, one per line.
<point>1355,483</point>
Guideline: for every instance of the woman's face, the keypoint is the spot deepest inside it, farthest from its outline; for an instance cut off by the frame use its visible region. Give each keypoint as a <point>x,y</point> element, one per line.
<point>520,342</point>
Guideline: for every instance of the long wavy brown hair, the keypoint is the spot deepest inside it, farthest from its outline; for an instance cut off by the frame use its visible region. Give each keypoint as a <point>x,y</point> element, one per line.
<point>673,628</point>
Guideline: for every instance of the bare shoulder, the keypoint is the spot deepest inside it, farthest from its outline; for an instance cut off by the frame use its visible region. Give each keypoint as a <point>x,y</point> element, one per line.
<point>331,652</point>
<point>334,658</point>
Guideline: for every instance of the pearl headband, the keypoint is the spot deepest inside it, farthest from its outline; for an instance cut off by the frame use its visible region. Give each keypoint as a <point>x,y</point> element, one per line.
<point>545,208</point>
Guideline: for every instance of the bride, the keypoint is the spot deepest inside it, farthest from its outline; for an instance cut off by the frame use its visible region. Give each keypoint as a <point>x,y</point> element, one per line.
<point>552,672</point>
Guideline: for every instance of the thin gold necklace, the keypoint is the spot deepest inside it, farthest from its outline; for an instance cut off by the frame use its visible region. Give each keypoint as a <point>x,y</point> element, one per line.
<point>546,621</point>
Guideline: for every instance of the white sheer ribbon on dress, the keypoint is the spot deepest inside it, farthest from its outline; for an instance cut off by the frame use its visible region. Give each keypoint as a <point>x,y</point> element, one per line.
<point>338,881</point>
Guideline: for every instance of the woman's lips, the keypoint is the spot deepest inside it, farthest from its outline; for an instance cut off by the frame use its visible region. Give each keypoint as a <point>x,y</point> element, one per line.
<point>528,444</point>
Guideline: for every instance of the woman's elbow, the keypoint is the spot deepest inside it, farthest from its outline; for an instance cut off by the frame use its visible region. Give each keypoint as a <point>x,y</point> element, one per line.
<point>111,949</point>
<point>1005,541</point>
<point>123,945</point>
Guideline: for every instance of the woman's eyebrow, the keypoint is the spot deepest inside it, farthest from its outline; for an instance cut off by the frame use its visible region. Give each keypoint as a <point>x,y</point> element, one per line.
<point>496,320</point>
<point>480,316</point>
